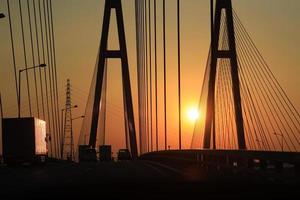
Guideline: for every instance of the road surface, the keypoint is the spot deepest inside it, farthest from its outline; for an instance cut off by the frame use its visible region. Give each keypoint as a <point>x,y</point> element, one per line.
<point>130,179</point>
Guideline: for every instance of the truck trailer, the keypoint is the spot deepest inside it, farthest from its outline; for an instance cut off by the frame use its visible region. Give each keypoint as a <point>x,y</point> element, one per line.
<point>24,140</point>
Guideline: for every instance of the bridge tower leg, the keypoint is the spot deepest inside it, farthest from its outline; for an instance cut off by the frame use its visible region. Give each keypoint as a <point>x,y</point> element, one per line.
<point>209,132</point>
<point>104,54</point>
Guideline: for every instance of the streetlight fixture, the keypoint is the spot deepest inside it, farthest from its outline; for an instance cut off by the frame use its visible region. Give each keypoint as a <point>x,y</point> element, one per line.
<point>277,134</point>
<point>20,71</point>
<point>82,116</point>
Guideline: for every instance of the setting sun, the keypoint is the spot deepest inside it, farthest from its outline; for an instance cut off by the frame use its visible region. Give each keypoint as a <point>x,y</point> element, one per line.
<point>193,114</point>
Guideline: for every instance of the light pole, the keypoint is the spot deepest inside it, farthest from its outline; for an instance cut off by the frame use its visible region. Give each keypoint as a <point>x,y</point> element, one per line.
<point>82,116</point>
<point>20,71</point>
<point>72,140</point>
<point>1,16</point>
<point>277,134</point>
<point>1,109</point>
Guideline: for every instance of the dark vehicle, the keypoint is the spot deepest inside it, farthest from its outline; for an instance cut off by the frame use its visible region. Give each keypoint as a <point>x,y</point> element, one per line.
<point>87,153</point>
<point>24,140</point>
<point>124,154</point>
<point>105,153</point>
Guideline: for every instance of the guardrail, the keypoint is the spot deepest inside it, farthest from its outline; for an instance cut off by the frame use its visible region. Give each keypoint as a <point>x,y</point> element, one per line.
<point>259,160</point>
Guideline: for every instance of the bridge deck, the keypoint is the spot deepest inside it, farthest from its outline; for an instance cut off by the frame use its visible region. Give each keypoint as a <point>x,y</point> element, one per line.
<point>290,157</point>
<point>138,179</point>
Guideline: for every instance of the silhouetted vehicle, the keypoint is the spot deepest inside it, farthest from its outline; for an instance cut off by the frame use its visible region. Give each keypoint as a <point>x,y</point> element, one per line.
<point>105,153</point>
<point>124,154</point>
<point>87,153</point>
<point>24,140</point>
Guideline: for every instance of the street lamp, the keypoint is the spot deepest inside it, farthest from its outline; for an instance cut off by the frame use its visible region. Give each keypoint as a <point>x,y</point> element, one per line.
<point>277,134</point>
<point>72,143</point>
<point>21,70</point>
<point>72,119</point>
<point>82,116</point>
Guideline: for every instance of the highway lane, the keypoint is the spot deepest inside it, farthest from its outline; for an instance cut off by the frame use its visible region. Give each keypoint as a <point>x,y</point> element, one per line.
<point>71,178</point>
<point>135,179</point>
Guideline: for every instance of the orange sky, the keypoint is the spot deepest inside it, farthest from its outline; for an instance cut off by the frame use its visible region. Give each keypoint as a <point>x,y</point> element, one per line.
<point>273,24</point>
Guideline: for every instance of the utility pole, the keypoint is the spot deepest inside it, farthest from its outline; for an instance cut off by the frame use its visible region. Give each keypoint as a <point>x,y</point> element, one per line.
<point>68,143</point>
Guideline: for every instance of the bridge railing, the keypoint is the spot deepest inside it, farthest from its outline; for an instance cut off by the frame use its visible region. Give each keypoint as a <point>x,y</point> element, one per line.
<point>250,160</point>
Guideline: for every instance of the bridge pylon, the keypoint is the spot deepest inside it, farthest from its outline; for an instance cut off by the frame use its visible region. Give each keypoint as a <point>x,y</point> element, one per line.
<point>230,53</point>
<point>104,54</point>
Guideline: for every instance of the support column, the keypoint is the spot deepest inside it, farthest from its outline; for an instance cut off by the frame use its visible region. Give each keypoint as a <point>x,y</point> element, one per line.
<point>104,54</point>
<point>209,133</point>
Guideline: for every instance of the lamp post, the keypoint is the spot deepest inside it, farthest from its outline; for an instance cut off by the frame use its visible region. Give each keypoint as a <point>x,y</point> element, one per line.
<point>72,140</point>
<point>82,116</point>
<point>277,134</point>
<point>1,16</point>
<point>20,71</point>
<point>1,109</point>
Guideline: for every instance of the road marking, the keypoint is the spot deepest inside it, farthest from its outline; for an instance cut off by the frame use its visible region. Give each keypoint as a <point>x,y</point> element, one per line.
<point>157,165</point>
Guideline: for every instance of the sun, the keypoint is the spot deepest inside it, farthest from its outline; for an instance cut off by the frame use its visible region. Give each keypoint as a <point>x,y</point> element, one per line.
<point>193,114</point>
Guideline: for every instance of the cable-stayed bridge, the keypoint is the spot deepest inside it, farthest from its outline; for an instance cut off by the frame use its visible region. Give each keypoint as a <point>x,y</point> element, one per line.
<point>249,122</point>
<point>245,107</point>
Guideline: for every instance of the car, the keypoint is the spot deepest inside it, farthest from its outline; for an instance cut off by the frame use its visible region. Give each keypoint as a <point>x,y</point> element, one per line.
<point>105,153</point>
<point>124,154</point>
<point>87,153</point>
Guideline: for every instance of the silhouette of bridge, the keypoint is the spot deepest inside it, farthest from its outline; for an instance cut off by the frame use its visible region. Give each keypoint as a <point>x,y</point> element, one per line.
<point>249,118</point>
<point>250,129</point>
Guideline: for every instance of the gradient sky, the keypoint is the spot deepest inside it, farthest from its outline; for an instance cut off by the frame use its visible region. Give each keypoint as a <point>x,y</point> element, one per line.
<point>273,24</point>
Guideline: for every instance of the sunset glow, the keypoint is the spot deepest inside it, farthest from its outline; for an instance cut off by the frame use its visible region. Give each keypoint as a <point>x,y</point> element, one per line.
<point>193,114</point>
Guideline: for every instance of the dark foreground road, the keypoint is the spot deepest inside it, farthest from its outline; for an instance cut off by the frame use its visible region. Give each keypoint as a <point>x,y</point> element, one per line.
<point>137,180</point>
